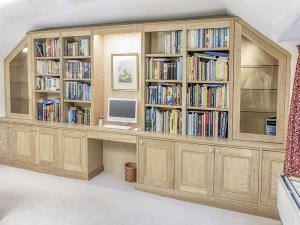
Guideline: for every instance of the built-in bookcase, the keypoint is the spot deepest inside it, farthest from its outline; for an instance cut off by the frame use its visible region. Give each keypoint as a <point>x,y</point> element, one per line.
<point>164,81</point>
<point>187,75</point>
<point>77,79</point>
<point>47,78</point>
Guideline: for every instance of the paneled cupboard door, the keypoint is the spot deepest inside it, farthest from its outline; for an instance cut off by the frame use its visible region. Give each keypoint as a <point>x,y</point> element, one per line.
<point>194,168</point>
<point>4,134</point>
<point>156,163</point>
<point>236,174</point>
<point>259,84</point>
<point>272,168</point>
<point>22,142</point>
<point>48,147</point>
<point>73,151</point>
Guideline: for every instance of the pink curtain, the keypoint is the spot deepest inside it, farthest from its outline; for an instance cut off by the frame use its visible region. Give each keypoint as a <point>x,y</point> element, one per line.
<point>292,157</point>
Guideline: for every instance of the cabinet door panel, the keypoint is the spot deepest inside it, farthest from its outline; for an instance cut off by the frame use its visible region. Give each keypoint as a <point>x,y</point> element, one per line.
<point>48,147</point>
<point>272,167</point>
<point>156,163</point>
<point>73,150</point>
<point>4,149</point>
<point>194,168</point>
<point>236,174</point>
<point>22,140</point>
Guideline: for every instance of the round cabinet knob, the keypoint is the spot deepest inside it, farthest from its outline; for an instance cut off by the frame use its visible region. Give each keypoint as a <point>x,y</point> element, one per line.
<point>211,150</point>
<point>218,151</point>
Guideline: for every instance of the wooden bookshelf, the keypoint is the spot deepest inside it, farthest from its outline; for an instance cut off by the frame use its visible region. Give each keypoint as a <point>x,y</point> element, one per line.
<point>207,82</point>
<point>207,108</point>
<point>77,48</point>
<point>164,106</point>
<point>207,49</point>
<point>164,81</point>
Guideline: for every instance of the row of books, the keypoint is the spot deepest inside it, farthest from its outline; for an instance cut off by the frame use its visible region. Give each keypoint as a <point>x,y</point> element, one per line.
<point>172,42</point>
<point>78,115</point>
<point>208,95</point>
<point>167,121</point>
<point>45,67</point>
<point>164,94</point>
<point>47,83</point>
<point>77,48</point>
<point>164,68</point>
<point>77,91</point>
<point>208,66</point>
<point>78,69</point>
<point>209,38</point>
<point>49,47</point>
<point>207,124</point>
<point>48,109</point>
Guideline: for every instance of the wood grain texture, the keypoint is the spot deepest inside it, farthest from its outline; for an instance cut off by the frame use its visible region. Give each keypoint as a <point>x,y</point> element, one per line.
<point>194,168</point>
<point>74,151</point>
<point>156,162</point>
<point>236,174</point>
<point>272,167</point>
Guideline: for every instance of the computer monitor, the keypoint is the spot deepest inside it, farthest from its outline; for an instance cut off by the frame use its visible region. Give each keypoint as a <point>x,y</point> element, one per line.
<point>122,110</point>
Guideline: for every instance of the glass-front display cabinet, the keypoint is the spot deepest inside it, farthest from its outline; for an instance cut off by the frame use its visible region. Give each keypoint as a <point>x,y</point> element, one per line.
<point>18,82</point>
<point>259,85</point>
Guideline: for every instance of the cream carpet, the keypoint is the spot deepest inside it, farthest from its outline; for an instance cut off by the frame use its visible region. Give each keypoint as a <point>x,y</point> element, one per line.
<point>29,198</point>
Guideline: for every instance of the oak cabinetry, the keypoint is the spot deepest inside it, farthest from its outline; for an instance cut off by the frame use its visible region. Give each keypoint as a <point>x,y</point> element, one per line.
<point>272,167</point>
<point>194,168</point>
<point>22,143</point>
<point>236,174</point>
<point>48,147</point>
<point>156,162</point>
<point>4,134</point>
<point>73,151</point>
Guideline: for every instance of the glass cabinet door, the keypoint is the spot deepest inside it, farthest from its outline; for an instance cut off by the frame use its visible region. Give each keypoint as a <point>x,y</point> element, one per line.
<point>18,82</point>
<point>259,88</point>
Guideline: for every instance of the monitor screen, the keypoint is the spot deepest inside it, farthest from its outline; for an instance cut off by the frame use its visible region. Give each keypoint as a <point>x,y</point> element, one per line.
<point>122,110</point>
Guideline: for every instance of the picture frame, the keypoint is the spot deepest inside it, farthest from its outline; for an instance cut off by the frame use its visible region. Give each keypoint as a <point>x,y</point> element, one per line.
<point>125,72</point>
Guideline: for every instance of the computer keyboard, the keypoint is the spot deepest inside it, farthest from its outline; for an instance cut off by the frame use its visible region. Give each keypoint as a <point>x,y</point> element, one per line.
<point>110,126</point>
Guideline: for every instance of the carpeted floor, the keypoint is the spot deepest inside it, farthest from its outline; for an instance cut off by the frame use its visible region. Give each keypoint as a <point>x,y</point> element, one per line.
<point>29,198</point>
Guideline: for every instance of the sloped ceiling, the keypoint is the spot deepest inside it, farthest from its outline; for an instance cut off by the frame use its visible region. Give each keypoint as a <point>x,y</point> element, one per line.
<point>278,19</point>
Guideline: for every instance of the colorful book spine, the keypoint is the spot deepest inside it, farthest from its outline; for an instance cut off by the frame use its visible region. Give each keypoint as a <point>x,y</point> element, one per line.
<point>164,69</point>
<point>76,69</point>
<point>80,47</point>
<point>47,83</point>
<point>78,115</point>
<point>209,38</point>
<point>77,91</point>
<point>47,47</point>
<point>47,67</point>
<point>48,109</point>
<point>166,121</point>
<point>207,124</point>
<point>207,67</point>
<point>208,95</point>
<point>172,42</point>
<point>164,94</point>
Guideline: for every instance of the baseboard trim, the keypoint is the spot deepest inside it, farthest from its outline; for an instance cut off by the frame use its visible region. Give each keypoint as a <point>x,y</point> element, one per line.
<point>249,208</point>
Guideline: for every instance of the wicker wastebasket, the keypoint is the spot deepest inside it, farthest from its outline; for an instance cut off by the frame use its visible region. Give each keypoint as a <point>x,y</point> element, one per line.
<point>130,172</point>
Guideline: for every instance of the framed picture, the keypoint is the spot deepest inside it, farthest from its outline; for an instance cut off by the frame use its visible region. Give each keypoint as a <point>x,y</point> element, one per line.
<point>125,71</point>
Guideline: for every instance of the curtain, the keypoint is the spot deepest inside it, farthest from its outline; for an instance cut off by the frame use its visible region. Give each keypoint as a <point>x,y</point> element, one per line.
<point>292,157</point>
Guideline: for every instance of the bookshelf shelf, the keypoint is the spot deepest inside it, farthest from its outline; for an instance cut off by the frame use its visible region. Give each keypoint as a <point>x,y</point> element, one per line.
<point>79,79</point>
<point>164,106</point>
<point>77,101</point>
<point>207,82</point>
<point>164,81</point>
<point>44,91</point>
<point>207,109</point>
<point>77,57</point>
<point>47,58</point>
<point>207,49</point>
<point>48,75</point>
<point>164,55</point>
